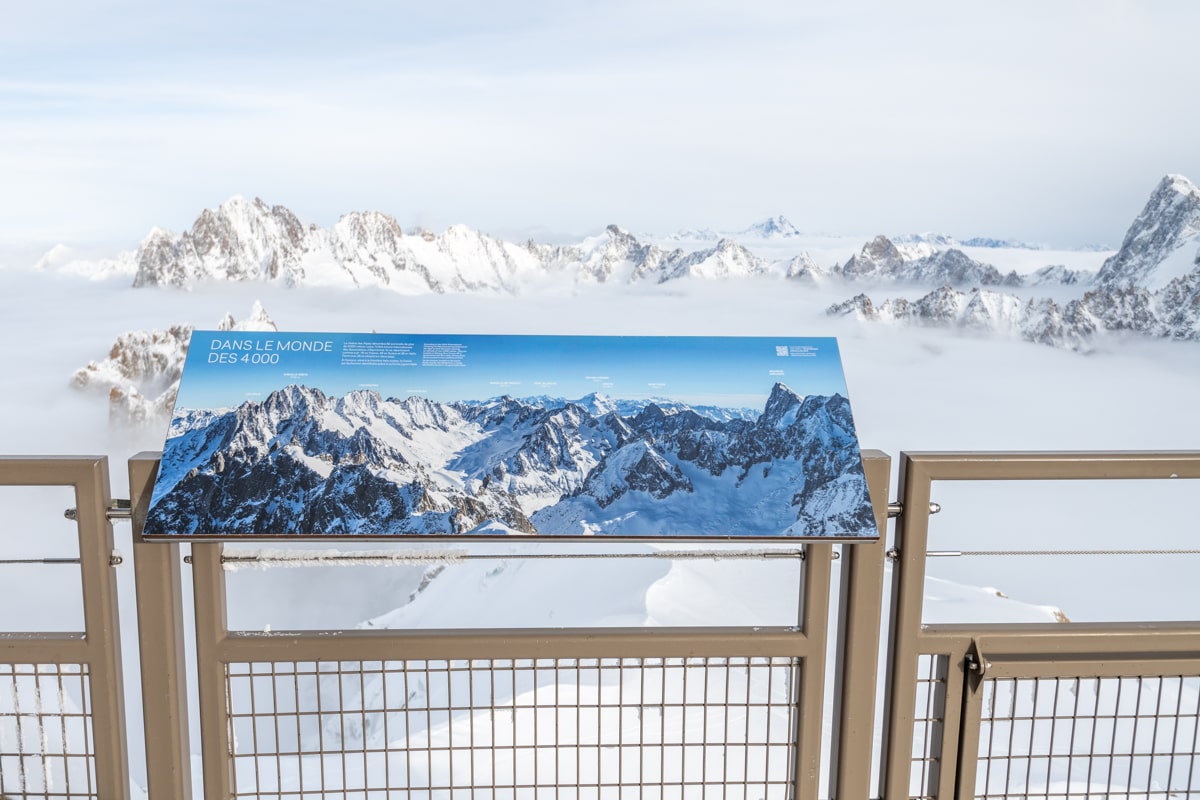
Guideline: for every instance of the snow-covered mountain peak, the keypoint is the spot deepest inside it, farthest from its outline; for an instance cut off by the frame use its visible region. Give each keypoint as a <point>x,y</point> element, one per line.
<point>159,233</point>
<point>1180,184</point>
<point>461,232</point>
<point>295,400</point>
<point>64,259</point>
<point>880,248</point>
<point>1162,242</point>
<point>52,258</point>
<point>935,239</point>
<point>782,405</point>
<point>238,205</point>
<point>259,320</point>
<point>368,229</point>
<point>777,227</point>
<point>878,258</point>
<point>597,403</point>
<point>239,239</point>
<point>359,402</point>
<point>247,220</point>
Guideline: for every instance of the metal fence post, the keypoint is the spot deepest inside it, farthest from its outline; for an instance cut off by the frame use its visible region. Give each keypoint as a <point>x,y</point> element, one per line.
<point>160,635</point>
<point>103,626</point>
<point>908,585</point>
<point>855,674</point>
<point>818,559</point>
<point>208,585</point>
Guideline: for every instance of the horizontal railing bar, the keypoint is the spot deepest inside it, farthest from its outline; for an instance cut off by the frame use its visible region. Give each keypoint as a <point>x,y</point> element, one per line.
<point>45,648</point>
<point>1061,465</point>
<point>1057,640</point>
<point>1095,665</point>
<point>1007,639</point>
<point>13,561</point>
<point>46,470</point>
<point>936,642</point>
<point>376,645</point>
<point>234,561</point>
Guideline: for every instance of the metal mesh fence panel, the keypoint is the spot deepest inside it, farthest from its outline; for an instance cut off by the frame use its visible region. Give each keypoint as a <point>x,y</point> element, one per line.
<point>929,716</point>
<point>46,739</point>
<point>515,728</point>
<point>1090,737</point>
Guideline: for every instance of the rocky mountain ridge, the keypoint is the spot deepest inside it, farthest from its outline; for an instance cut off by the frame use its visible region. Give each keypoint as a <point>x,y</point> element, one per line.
<point>249,240</point>
<point>1150,286</point>
<point>140,375</point>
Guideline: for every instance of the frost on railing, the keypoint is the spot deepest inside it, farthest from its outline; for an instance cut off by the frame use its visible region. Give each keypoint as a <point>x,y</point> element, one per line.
<point>46,744</point>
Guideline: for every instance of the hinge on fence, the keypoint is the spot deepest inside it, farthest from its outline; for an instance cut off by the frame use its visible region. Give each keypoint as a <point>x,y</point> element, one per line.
<point>896,509</point>
<point>976,664</point>
<point>117,509</point>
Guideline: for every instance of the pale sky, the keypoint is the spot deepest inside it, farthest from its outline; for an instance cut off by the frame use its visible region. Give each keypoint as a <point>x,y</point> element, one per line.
<point>1048,122</point>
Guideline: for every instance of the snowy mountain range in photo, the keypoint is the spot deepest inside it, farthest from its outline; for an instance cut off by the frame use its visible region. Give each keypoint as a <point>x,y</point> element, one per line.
<point>301,462</point>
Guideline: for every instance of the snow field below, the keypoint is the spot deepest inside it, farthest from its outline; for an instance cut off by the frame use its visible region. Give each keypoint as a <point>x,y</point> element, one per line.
<point>565,723</point>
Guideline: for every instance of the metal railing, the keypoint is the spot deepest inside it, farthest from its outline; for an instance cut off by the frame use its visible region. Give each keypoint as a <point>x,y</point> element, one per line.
<point>1037,709</point>
<point>496,727</point>
<point>62,708</point>
<point>667,712</point>
<point>969,710</point>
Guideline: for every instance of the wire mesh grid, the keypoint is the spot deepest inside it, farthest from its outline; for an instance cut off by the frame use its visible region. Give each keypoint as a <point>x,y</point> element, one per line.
<point>1090,737</point>
<point>515,728</point>
<point>46,740</point>
<point>929,717</point>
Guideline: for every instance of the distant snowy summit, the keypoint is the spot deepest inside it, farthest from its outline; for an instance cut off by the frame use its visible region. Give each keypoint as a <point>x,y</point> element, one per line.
<point>945,240</point>
<point>776,227</point>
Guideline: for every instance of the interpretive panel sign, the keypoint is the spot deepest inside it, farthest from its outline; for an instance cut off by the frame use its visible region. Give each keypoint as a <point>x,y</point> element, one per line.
<point>633,437</point>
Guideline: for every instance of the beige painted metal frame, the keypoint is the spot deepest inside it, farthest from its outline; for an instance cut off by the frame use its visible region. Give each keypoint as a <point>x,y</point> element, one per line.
<point>975,652</point>
<point>99,645</point>
<point>1006,650</point>
<point>855,674</point>
<point>157,573</point>
<point>160,625</point>
<point>216,647</point>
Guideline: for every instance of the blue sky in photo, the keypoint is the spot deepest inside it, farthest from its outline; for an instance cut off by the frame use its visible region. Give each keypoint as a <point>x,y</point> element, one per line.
<point>224,369</point>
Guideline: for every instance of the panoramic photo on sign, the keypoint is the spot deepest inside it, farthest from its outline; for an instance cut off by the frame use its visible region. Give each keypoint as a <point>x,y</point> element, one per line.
<point>370,435</point>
